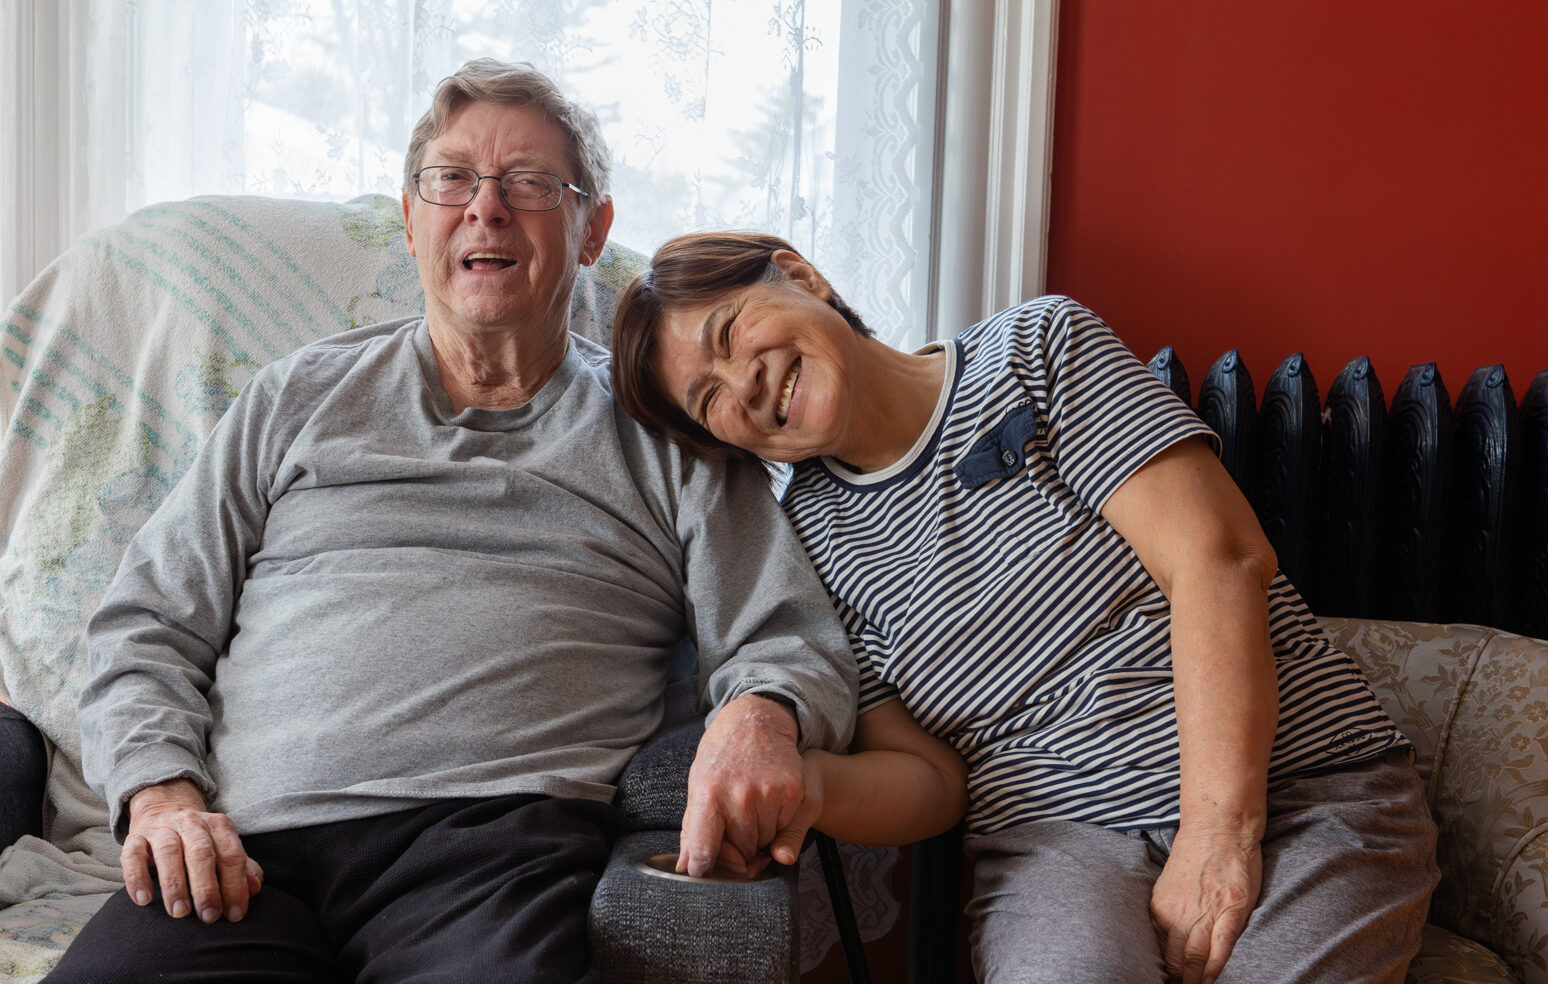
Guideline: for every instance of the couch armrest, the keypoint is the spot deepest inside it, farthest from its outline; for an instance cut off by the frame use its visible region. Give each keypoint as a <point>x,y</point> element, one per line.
<point>654,786</point>
<point>23,769</point>
<point>647,927</point>
<point>650,928</point>
<point>1522,906</point>
<point>1474,701</point>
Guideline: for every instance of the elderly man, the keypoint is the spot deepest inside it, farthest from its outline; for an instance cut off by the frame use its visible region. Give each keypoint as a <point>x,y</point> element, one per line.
<point>362,686</point>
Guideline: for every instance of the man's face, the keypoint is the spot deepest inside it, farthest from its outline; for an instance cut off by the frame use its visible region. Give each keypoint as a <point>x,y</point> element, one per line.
<point>489,268</point>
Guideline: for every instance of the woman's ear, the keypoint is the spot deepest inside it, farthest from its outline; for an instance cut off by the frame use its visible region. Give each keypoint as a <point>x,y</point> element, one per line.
<point>795,267</point>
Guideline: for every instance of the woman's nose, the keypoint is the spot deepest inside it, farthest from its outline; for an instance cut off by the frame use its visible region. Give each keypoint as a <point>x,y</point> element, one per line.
<point>746,380</point>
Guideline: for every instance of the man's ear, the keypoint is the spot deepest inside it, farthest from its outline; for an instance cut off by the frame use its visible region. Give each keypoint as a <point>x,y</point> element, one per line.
<point>794,266</point>
<point>597,226</point>
<point>408,225</point>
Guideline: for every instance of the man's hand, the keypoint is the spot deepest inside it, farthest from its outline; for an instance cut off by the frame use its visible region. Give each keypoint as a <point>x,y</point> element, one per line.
<point>745,786</point>
<point>1201,902</point>
<point>193,851</point>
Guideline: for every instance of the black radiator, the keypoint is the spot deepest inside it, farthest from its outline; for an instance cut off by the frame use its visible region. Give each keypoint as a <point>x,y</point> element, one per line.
<point>1416,508</point>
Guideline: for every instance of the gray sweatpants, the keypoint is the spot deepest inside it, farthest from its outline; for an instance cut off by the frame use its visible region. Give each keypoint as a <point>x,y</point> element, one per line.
<point>1348,867</point>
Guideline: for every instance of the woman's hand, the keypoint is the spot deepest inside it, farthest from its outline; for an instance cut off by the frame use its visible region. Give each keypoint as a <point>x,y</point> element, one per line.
<point>1201,902</point>
<point>786,848</point>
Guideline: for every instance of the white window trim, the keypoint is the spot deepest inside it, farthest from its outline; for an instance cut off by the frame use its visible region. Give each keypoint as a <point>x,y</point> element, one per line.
<point>41,175</point>
<point>994,153</point>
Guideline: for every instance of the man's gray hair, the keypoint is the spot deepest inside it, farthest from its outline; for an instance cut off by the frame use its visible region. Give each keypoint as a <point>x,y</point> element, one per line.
<point>518,84</point>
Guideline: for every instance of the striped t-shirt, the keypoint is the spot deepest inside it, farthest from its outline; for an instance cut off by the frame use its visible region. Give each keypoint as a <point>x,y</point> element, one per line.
<point>980,584</point>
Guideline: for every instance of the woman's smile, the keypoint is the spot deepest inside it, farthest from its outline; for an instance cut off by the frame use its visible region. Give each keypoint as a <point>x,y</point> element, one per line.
<point>782,410</point>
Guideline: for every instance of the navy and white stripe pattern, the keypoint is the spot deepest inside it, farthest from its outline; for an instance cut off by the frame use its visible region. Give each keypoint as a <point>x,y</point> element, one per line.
<point>981,586</point>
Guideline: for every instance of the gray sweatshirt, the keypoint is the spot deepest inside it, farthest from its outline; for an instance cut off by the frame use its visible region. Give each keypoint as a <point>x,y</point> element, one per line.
<point>358,602</point>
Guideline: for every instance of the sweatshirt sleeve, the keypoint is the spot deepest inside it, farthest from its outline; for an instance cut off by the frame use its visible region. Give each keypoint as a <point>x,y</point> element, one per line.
<point>153,642</point>
<point>761,618</point>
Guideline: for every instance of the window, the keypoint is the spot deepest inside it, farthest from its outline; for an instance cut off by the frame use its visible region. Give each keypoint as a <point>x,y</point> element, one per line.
<point>814,119</point>
<point>902,144</point>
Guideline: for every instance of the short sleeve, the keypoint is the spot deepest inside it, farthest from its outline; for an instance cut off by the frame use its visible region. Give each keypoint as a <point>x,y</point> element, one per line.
<point>874,691</point>
<point>1106,413</point>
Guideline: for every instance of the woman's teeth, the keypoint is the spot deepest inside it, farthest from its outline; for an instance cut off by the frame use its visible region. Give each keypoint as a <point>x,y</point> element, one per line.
<point>784,395</point>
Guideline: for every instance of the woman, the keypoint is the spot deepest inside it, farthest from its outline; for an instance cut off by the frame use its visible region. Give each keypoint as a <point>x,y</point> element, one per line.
<point>1036,552</point>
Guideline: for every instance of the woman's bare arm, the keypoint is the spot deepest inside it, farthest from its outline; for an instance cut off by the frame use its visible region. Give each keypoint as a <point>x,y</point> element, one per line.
<point>1198,537</point>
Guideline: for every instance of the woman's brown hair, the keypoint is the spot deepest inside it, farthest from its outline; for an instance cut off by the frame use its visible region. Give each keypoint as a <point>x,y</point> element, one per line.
<point>689,271</point>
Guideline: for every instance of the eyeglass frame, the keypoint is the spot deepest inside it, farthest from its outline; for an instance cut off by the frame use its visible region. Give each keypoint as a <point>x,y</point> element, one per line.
<point>499,180</point>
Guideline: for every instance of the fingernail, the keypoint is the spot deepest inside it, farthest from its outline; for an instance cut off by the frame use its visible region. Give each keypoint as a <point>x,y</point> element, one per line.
<point>179,909</point>
<point>142,897</point>
<point>209,915</point>
<point>234,913</point>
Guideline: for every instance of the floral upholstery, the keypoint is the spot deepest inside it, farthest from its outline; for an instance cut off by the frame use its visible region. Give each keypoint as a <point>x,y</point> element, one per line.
<point>1446,958</point>
<point>1474,701</point>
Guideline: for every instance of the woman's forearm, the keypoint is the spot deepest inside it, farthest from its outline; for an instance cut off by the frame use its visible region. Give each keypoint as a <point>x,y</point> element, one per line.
<point>1226,693</point>
<point>888,797</point>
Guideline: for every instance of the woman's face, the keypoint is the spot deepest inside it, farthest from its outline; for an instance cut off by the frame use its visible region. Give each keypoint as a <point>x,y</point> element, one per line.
<point>771,368</point>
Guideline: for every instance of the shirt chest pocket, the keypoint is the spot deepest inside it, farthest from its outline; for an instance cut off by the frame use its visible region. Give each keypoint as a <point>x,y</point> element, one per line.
<point>1015,485</point>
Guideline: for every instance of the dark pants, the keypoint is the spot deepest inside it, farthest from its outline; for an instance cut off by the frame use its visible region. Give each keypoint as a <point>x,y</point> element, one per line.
<point>23,767</point>
<point>463,891</point>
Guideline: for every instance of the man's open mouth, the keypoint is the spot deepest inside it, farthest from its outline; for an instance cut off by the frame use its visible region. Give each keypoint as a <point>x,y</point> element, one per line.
<point>487,261</point>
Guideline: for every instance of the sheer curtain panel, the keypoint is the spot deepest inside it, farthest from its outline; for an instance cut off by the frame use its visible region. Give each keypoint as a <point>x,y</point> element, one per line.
<point>901,144</point>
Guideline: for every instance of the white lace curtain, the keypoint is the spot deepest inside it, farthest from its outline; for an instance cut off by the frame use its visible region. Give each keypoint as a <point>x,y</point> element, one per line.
<point>814,119</point>
<point>808,118</point>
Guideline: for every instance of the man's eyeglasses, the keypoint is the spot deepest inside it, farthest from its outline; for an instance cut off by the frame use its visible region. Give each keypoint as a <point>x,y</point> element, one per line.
<point>528,191</point>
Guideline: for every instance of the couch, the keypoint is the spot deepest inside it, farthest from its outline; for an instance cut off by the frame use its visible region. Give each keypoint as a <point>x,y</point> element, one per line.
<point>116,362</point>
<point>118,359</point>
<point>1474,701</point>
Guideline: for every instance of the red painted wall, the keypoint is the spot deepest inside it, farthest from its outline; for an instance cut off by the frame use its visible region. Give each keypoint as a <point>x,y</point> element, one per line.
<point>1331,177</point>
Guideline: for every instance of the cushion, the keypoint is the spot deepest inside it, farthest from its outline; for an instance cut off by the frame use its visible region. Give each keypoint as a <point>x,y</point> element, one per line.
<point>1474,701</point>
<point>1446,958</point>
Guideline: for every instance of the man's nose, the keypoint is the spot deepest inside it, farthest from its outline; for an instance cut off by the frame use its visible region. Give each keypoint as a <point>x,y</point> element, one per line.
<point>488,204</point>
